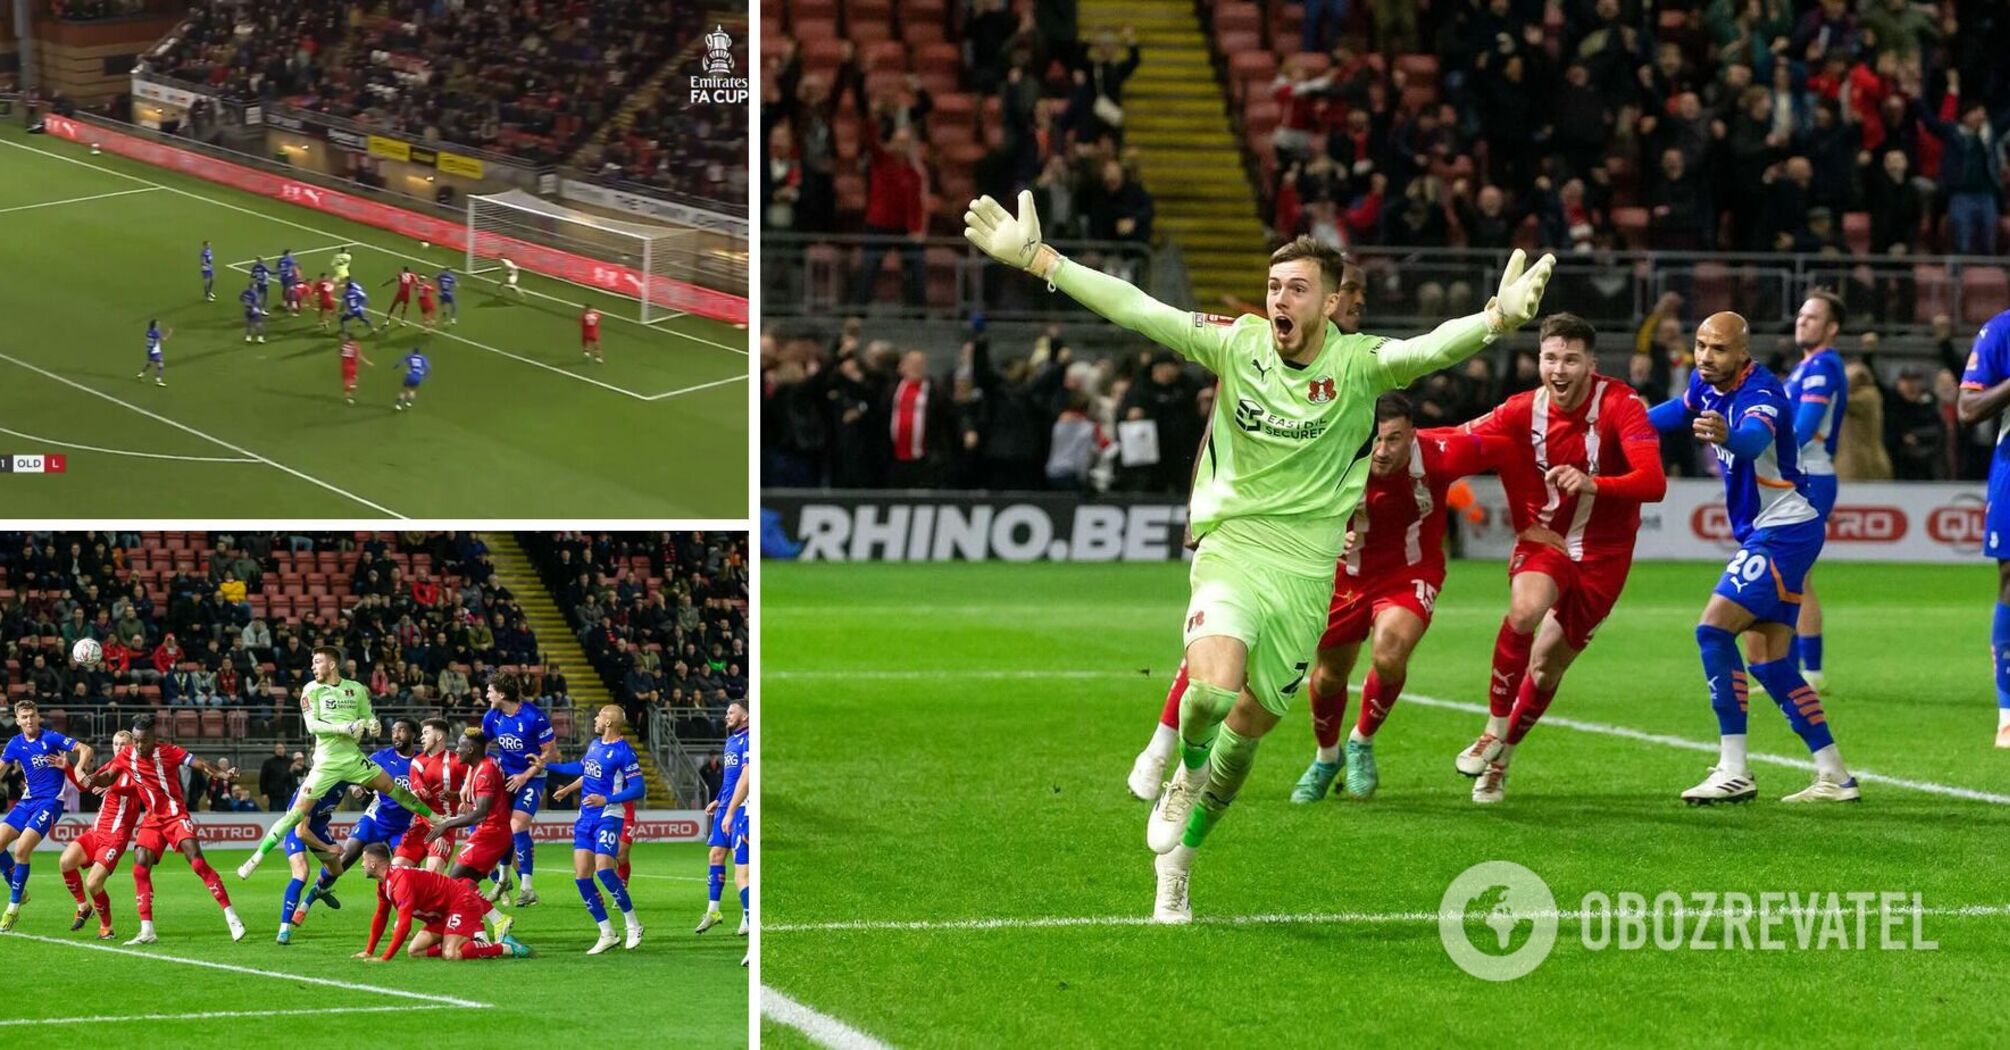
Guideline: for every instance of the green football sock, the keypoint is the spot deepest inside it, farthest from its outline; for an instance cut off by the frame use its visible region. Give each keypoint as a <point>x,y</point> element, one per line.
<point>286,823</point>
<point>1227,768</point>
<point>1201,710</point>
<point>411,802</point>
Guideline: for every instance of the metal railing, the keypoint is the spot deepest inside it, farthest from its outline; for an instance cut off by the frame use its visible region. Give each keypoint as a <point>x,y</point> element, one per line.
<point>679,768</point>
<point>817,276</point>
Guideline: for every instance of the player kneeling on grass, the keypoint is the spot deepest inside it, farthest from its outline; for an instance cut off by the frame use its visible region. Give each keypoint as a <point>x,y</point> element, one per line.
<point>451,910</point>
<point>42,755</point>
<point>101,847</point>
<point>1386,587</point>
<point>1296,406</point>
<point>609,773</point>
<point>156,767</point>
<point>1741,410</point>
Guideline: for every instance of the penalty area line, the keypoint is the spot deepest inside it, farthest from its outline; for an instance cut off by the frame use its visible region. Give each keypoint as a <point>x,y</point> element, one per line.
<point>820,1027</point>
<point>207,1015</point>
<point>442,1000</point>
<point>125,451</point>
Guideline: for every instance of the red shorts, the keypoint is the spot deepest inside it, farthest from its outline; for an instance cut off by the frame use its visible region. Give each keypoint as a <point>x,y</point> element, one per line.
<point>484,849</point>
<point>628,832</point>
<point>1357,603</point>
<point>327,303</point>
<point>102,848</point>
<point>464,921</point>
<point>349,372</point>
<point>1587,590</point>
<point>163,837</point>
<point>402,298</point>
<point>425,306</point>
<point>589,337</point>
<point>414,847</point>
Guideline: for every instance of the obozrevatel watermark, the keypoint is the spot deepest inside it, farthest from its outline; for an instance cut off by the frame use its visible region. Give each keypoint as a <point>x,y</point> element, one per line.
<point>1498,921</point>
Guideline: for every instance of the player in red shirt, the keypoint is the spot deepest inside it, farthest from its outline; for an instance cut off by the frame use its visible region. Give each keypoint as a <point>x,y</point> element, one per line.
<point>488,812</point>
<point>437,777</point>
<point>407,280</point>
<point>426,306</point>
<point>155,766</point>
<point>452,911</point>
<point>352,352</point>
<point>589,335</point>
<point>101,847</point>
<point>1386,585</point>
<point>1584,459</point>
<point>324,294</point>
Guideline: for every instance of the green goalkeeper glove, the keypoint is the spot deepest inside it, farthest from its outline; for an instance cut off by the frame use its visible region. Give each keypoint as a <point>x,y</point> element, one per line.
<point>1012,240</point>
<point>1520,294</point>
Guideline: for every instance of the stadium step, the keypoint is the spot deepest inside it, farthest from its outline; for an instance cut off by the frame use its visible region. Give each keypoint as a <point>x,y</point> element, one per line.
<point>554,636</point>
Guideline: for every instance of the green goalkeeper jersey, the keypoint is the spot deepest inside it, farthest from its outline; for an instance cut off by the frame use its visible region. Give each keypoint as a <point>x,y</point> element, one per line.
<point>1287,460</point>
<point>330,709</point>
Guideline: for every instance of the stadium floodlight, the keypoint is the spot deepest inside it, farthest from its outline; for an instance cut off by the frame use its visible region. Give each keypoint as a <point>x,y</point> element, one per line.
<point>655,265</point>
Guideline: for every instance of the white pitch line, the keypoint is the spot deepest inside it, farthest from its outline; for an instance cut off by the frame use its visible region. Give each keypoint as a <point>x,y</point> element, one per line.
<point>1710,747</point>
<point>822,1028</point>
<point>79,200</point>
<point>126,451</point>
<point>1346,918</point>
<point>695,389</point>
<point>366,244</point>
<point>185,428</point>
<point>213,1014</point>
<point>678,878</point>
<point>903,674</point>
<point>443,1000</point>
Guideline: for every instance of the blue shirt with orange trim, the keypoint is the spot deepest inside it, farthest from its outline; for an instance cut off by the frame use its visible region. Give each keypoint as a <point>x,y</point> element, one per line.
<point>1988,365</point>
<point>1819,392</point>
<point>1763,483</point>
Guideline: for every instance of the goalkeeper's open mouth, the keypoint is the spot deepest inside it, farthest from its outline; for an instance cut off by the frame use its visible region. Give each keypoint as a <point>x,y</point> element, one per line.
<point>1282,324</point>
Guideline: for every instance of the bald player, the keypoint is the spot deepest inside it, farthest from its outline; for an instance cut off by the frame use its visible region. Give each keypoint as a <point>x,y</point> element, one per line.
<point>1742,411</point>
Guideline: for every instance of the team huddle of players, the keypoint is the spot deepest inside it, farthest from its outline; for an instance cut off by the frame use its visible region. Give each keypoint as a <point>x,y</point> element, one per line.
<point>428,784</point>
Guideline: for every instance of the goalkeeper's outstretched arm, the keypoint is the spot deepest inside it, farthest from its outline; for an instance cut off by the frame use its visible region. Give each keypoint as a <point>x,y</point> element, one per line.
<point>1516,303</point>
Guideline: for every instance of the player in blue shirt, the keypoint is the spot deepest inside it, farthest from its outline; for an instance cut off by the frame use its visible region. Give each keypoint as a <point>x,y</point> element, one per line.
<point>208,273</point>
<point>417,368</point>
<point>523,738</point>
<point>446,281</point>
<point>1740,408</point>
<point>737,819</point>
<point>261,277</point>
<point>289,275</point>
<point>40,754</point>
<point>254,312</point>
<point>384,821</point>
<point>355,304</point>
<point>1985,390</point>
<point>610,775</point>
<point>155,360</point>
<point>1819,392</point>
<point>722,831</point>
<point>309,834</point>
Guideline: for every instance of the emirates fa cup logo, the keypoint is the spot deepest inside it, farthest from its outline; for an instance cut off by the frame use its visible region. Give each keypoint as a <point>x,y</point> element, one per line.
<point>719,53</point>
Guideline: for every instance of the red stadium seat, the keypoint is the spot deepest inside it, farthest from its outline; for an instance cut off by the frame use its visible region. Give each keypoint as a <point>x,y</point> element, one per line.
<point>1250,71</point>
<point>1417,97</point>
<point>1933,290</point>
<point>1260,116</point>
<point>1237,43</point>
<point>1712,288</point>
<point>186,725</point>
<point>1419,68</point>
<point>867,33</point>
<point>802,11</point>
<point>212,724</point>
<point>561,723</point>
<point>1632,225</point>
<point>922,33</point>
<point>858,12</point>
<point>237,723</point>
<point>1856,230</point>
<point>886,55</point>
<point>1985,292</point>
<point>1237,18</point>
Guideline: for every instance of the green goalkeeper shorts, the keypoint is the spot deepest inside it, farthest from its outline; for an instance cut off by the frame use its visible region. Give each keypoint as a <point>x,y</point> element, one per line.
<point>1277,615</point>
<point>345,768</point>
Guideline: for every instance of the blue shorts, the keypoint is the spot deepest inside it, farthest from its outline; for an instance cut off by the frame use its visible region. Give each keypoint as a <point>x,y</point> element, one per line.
<point>1822,493</point>
<point>600,833</point>
<point>740,838</point>
<point>412,383</point>
<point>38,816</point>
<point>154,356</point>
<point>531,797</point>
<point>447,298</point>
<point>294,846</point>
<point>1767,574</point>
<point>722,833</point>
<point>250,316</point>
<point>369,829</point>
<point>1996,515</point>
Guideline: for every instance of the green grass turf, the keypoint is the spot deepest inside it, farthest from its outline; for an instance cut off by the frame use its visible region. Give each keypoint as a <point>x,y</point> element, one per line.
<point>902,752</point>
<point>683,989</point>
<point>540,428</point>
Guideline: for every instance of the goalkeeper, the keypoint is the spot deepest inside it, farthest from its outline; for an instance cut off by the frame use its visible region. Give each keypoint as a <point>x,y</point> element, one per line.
<point>1285,467</point>
<point>337,711</point>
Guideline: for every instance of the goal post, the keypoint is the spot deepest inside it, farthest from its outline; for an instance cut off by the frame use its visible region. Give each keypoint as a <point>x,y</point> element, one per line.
<point>650,264</point>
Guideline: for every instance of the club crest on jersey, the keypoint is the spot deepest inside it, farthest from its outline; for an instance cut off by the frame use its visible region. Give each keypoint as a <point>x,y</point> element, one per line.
<point>1201,320</point>
<point>1320,391</point>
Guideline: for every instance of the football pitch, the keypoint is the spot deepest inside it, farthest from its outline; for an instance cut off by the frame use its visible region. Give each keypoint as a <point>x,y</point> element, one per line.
<point>196,988</point>
<point>512,417</point>
<point>962,760</point>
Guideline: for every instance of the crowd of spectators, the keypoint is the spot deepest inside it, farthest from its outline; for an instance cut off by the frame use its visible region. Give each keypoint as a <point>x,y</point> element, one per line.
<point>673,639</point>
<point>513,76</point>
<point>1749,125</point>
<point>427,643</point>
<point>95,10</point>
<point>699,152</point>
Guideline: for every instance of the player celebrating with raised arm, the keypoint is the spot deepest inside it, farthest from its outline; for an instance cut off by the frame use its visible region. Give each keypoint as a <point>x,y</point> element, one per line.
<point>1583,460</point>
<point>254,312</point>
<point>208,273</point>
<point>406,280</point>
<point>156,358</point>
<point>611,773</point>
<point>437,776</point>
<point>524,742</point>
<point>384,821</point>
<point>1386,587</point>
<point>1985,390</point>
<point>156,767</point>
<point>447,280</point>
<point>101,847</point>
<point>1819,392</point>
<point>452,911</point>
<point>1737,406</point>
<point>417,368</point>
<point>309,834</point>
<point>337,711</point>
<point>734,760</point>
<point>1286,468</point>
<point>42,755</point>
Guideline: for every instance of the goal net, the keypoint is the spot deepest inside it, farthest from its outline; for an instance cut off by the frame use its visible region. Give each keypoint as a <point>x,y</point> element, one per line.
<point>656,266</point>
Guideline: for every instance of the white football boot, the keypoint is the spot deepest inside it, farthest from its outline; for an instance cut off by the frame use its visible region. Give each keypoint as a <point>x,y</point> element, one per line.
<point>1491,785</point>
<point>1722,786</point>
<point>1474,760</point>
<point>1147,773</point>
<point>1827,789</point>
<point>1171,905</point>
<point>1168,818</point>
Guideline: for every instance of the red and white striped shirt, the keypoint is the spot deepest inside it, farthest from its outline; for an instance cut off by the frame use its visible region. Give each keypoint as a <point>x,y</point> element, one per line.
<point>910,420</point>
<point>158,777</point>
<point>1606,436</point>
<point>119,814</point>
<point>1400,525</point>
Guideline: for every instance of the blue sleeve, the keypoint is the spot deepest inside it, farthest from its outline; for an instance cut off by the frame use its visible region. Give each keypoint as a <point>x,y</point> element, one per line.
<point>1985,361</point>
<point>1808,419</point>
<point>61,742</point>
<point>489,723</point>
<point>1751,437</point>
<point>633,786</point>
<point>1669,415</point>
<point>544,733</point>
<point>567,769</point>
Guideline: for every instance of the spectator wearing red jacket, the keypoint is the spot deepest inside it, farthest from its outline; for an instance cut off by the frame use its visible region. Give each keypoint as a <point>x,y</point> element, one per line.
<point>896,206</point>
<point>167,656</point>
<point>426,590</point>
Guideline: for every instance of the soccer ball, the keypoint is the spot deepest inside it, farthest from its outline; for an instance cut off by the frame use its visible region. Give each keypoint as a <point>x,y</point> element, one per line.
<point>87,652</point>
<point>94,149</point>
<point>425,244</point>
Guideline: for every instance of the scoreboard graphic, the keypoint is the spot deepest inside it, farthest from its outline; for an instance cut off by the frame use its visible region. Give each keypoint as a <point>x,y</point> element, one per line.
<point>33,463</point>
